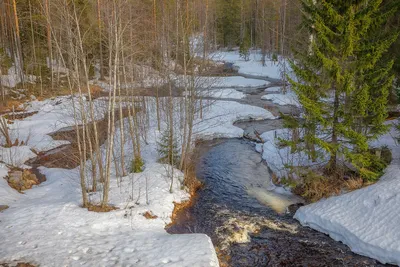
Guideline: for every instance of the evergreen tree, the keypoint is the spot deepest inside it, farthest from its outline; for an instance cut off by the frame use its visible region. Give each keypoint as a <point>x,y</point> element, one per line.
<point>244,49</point>
<point>168,149</point>
<point>344,60</point>
<point>228,22</point>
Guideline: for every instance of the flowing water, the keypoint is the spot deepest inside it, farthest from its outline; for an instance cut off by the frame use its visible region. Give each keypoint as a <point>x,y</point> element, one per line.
<point>247,216</point>
<point>249,219</point>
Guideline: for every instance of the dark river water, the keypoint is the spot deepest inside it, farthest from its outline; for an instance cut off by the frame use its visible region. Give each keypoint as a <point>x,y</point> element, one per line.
<point>247,218</point>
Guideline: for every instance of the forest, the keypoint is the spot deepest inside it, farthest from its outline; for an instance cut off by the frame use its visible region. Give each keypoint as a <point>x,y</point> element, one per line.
<point>199,132</point>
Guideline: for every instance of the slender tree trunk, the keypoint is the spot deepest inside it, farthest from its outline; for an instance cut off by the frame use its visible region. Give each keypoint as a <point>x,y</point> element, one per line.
<point>100,40</point>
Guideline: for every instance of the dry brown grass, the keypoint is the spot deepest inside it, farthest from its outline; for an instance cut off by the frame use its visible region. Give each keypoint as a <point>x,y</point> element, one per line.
<point>149,215</point>
<point>317,186</point>
<point>19,264</point>
<point>99,208</point>
<point>11,104</point>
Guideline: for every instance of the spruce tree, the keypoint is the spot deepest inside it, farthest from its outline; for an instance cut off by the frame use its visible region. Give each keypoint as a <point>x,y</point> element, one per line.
<point>343,60</point>
<point>244,48</point>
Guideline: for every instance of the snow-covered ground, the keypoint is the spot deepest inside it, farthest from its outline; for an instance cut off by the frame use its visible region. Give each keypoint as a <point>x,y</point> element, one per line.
<point>46,225</point>
<point>368,219</point>
<point>220,116</point>
<point>253,66</point>
<point>281,99</point>
<point>223,93</point>
<point>221,82</point>
<point>279,157</point>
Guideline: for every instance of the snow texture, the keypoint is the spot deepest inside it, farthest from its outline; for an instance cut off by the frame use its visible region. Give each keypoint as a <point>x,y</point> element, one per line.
<point>252,67</point>
<point>223,93</point>
<point>47,226</point>
<point>220,116</point>
<point>281,99</point>
<point>220,82</point>
<point>367,220</point>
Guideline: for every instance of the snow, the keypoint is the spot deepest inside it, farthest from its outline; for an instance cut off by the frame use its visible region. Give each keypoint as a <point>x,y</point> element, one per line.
<point>8,195</point>
<point>219,118</point>
<point>289,98</point>
<point>47,226</point>
<point>11,79</point>
<point>223,93</point>
<point>238,82</point>
<point>221,82</point>
<point>16,155</point>
<point>254,66</point>
<point>53,114</point>
<point>367,220</point>
<point>274,89</point>
<point>279,157</point>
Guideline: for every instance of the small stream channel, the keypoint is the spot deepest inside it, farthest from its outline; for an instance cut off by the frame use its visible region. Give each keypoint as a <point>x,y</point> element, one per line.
<point>249,219</point>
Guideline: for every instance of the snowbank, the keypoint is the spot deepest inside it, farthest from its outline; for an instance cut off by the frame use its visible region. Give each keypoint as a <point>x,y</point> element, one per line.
<point>223,93</point>
<point>16,155</point>
<point>367,220</point>
<point>289,98</point>
<point>218,119</point>
<point>279,157</point>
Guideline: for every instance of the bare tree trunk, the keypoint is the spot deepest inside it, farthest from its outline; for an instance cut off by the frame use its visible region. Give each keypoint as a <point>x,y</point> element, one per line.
<point>100,40</point>
<point>49,45</point>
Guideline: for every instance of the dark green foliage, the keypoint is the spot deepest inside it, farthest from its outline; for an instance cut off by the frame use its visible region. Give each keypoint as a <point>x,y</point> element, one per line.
<point>228,22</point>
<point>244,49</point>
<point>137,165</point>
<point>168,149</point>
<point>345,60</point>
<point>5,61</point>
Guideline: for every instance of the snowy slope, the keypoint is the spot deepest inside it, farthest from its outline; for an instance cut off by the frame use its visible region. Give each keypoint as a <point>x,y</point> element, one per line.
<point>368,219</point>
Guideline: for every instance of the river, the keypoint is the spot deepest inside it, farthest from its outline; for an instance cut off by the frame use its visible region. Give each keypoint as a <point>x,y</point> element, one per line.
<point>249,219</point>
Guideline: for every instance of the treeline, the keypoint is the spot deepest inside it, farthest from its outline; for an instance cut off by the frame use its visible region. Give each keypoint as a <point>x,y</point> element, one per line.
<point>31,30</point>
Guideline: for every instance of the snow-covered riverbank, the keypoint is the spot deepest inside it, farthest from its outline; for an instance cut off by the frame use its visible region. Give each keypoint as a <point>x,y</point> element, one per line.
<point>47,226</point>
<point>368,219</point>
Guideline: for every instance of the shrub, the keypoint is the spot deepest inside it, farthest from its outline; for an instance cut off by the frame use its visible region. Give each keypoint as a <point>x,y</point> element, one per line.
<point>137,165</point>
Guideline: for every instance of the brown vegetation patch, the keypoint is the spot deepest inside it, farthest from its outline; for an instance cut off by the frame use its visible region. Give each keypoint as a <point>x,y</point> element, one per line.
<point>314,187</point>
<point>19,115</point>
<point>149,215</point>
<point>11,105</point>
<point>18,264</point>
<point>65,157</point>
<point>223,257</point>
<point>100,208</point>
<point>21,180</point>
<point>3,207</point>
